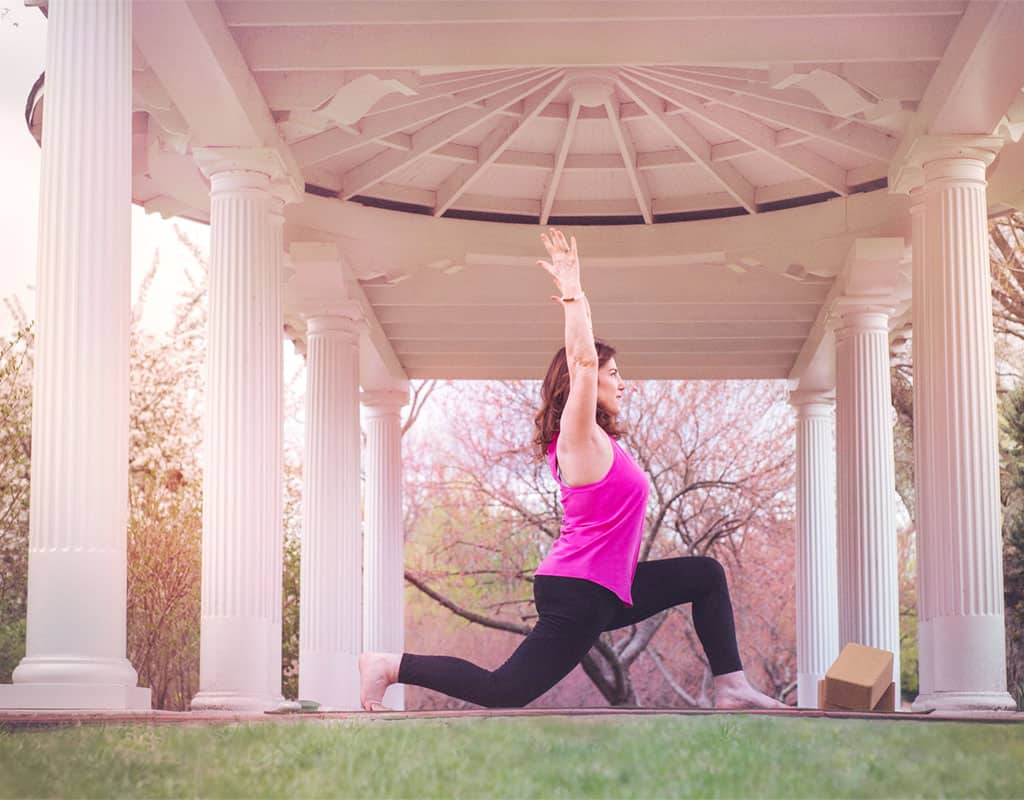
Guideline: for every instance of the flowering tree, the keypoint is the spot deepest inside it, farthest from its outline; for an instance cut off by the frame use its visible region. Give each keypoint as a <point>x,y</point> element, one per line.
<point>15,452</point>
<point>165,493</point>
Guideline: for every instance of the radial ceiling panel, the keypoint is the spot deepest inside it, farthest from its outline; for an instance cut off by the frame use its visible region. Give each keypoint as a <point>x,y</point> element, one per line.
<point>688,180</point>
<point>675,181</point>
<point>424,173</point>
<point>713,133</point>
<point>545,134</point>
<point>841,156</point>
<point>764,172</point>
<point>343,162</point>
<point>512,182</point>
<point>609,183</point>
<point>593,136</point>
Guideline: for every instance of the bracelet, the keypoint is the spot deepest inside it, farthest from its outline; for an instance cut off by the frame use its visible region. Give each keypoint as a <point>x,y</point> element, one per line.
<point>580,296</point>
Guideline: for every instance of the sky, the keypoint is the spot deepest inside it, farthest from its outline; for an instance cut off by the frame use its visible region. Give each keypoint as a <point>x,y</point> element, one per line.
<point>22,59</point>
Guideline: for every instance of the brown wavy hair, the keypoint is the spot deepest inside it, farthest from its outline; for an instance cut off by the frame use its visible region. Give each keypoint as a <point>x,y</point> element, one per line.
<point>554,394</point>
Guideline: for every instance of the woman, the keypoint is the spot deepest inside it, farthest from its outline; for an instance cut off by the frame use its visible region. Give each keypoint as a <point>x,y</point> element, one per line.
<point>590,582</point>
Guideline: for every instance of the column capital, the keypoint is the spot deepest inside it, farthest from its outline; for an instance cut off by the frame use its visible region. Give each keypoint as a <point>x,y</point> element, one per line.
<point>805,399</point>
<point>859,318</point>
<point>385,400</point>
<point>213,161</point>
<point>910,173</point>
<point>345,319</point>
<point>848,307</point>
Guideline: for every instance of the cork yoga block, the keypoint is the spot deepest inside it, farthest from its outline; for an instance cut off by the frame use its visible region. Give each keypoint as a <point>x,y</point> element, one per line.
<point>886,703</point>
<point>859,680</point>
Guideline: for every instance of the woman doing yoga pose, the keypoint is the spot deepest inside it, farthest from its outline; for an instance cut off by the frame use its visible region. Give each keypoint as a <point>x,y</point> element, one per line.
<point>590,582</point>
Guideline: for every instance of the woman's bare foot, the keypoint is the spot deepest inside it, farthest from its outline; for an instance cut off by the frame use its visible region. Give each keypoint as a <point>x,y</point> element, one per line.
<point>733,690</point>
<point>377,671</point>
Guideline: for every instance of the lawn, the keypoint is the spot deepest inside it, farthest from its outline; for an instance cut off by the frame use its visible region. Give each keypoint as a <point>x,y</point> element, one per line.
<point>550,757</point>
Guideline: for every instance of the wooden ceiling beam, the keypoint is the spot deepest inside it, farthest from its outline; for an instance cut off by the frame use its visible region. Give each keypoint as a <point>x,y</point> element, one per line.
<point>432,136</point>
<point>855,136</point>
<point>630,160</point>
<point>259,13</point>
<point>449,89</point>
<point>689,138</point>
<point>761,40</point>
<point>556,174</point>
<point>756,134</point>
<point>334,142</point>
<point>501,325</point>
<point>496,143</point>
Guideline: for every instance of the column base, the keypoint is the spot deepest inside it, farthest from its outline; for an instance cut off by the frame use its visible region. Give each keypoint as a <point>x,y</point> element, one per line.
<point>75,697</point>
<point>807,689</point>
<point>394,697</point>
<point>75,670</point>
<point>239,668</point>
<point>964,701</point>
<point>967,656</point>
<point>233,701</point>
<point>332,679</point>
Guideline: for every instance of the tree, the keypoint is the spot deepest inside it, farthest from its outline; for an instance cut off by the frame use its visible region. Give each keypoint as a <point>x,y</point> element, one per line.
<point>165,493</point>
<point>1012,489</point>
<point>15,450</point>
<point>719,458</point>
<point>292,557</point>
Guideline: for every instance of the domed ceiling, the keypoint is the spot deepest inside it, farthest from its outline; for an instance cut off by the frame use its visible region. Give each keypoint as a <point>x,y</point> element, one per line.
<point>793,103</point>
<point>641,144</point>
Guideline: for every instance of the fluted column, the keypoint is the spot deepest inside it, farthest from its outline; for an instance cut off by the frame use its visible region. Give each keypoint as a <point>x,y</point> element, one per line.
<point>866,520</point>
<point>330,603</point>
<point>383,560</point>
<point>920,358</point>
<point>275,561</point>
<point>817,620</point>
<point>960,576</point>
<point>240,660</point>
<point>77,571</point>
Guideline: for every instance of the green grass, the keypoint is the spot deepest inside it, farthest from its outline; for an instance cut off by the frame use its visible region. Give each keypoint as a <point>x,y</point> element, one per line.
<point>693,756</point>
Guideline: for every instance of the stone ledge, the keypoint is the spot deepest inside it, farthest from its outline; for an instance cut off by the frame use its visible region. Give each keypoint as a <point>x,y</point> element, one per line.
<point>29,720</point>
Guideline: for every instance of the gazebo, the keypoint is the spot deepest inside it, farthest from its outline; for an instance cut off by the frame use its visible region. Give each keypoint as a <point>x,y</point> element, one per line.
<point>762,189</point>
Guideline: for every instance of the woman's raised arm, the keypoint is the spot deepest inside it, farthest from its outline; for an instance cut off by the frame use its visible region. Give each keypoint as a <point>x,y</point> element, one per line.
<point>578,423</point>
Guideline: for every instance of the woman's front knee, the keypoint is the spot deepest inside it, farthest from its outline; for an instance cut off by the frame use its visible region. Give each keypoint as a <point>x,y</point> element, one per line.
<point>713,568</point>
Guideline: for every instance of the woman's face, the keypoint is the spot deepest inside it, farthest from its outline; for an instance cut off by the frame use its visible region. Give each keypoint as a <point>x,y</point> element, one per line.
<point>610,387</point>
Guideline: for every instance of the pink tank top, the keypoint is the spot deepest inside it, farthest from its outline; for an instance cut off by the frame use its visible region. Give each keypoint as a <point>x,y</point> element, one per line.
<point>603,526</point>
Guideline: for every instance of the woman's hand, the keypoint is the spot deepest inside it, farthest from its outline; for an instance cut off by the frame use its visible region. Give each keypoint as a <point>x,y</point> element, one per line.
<point>564,266</point>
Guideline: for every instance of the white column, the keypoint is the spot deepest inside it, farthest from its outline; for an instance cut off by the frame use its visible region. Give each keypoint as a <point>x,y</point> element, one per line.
<point>922,465</point>
<point>866,519</point>
<point>384,561</point>
<point>276,560</point>
<point>960,573</point>
<point>242,440</point>
<point>330,602</point>
<point>817,620</point>
<point>77,572</point>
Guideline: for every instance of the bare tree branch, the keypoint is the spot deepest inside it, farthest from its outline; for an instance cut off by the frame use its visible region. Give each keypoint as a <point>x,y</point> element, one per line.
<point>458,610</point>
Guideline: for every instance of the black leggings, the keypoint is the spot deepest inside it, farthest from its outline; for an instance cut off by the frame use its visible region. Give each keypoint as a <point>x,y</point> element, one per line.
<point>572,614</point>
